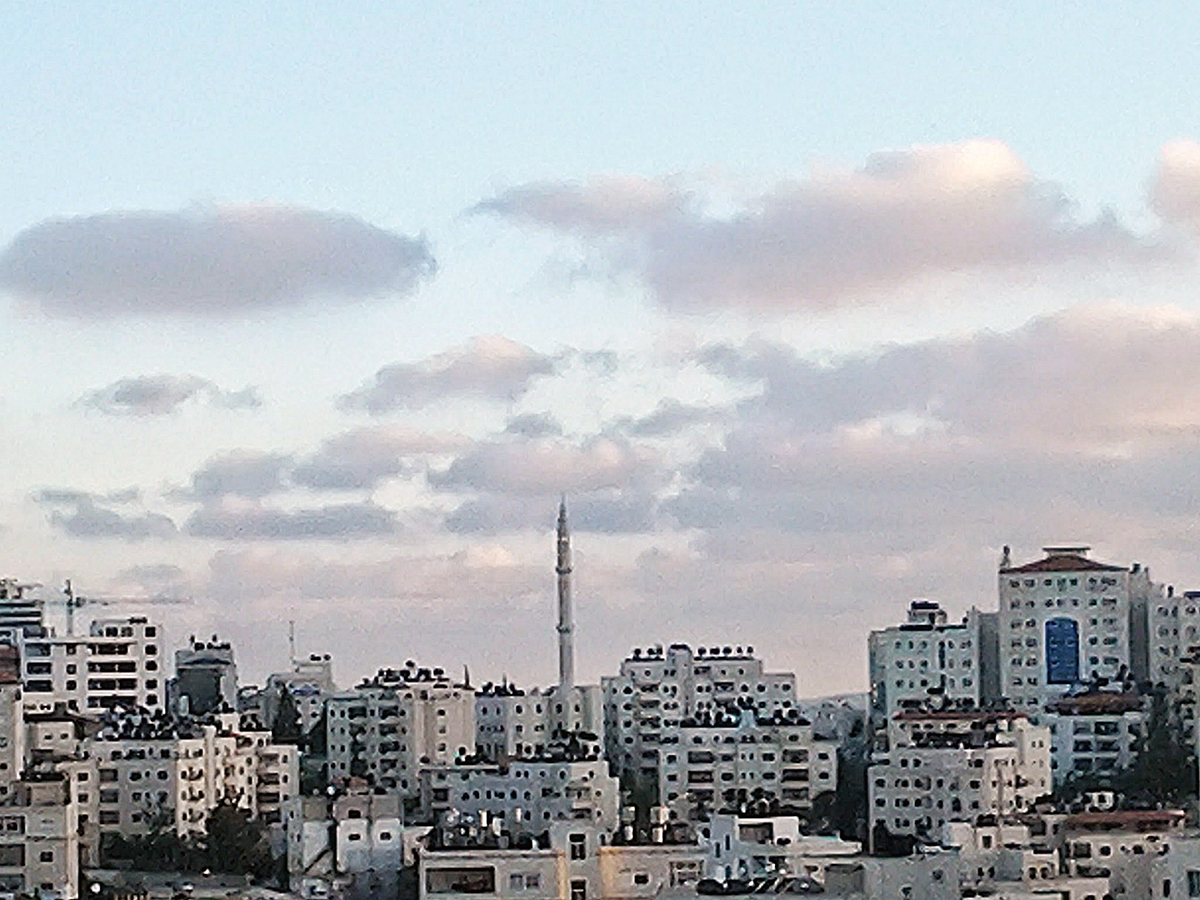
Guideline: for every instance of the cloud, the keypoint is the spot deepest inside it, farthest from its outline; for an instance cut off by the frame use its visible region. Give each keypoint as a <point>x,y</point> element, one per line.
<point>490,367</point>
<point>533,425</point>
<point>71,496</point>
<point>346,521</point>
<point>208,260</point>
<point>159,395</point>
<point>1175,191</point>
<point>604,513</point>
<point>241,473</point>
<point>154,578</point>
<point>837,239</point>
<point>670,418</point>
<point>548,466</point>
<point>362,458</point>
<point>87,520</point>
<point>1101,380</point>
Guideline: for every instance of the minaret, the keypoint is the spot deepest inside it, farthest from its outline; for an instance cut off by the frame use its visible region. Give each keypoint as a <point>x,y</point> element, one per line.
<point>566,628</point>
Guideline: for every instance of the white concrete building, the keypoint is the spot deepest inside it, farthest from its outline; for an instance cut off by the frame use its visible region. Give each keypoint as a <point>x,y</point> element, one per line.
<point>1066,620</point>
<point>388,728</point>
<point>1009,860</point>
<point>1175,868</point>
<point>351,841</point>
<point>956,766</point>
<point>930,657</point>
<point>118,663</point>
<point>747,848</point>
<point>1095,733</point>
<point>932,873</point>
<point>737,760</point>
<point>657,689</point>
<point>39,838</point>
<point>153,768</point>
<point>580,863</point>
<point>511,723</point>
<point>525,796</point>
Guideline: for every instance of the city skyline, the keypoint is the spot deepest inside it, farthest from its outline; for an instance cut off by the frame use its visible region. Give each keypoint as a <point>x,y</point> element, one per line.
<point>314,315</point>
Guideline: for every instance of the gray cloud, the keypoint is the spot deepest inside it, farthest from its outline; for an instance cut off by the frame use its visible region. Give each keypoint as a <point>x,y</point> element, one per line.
<point>670,418</point>
<point>347,521</point>
<point>87,520</point>
<point>242,473</point>
<point>545,467</point>
<point>607,513</point>
<point>158,395</point>
<point>491,367</point>
<point>362,458</point>
<point>837,239</point>
<point>211,259</point>
<point>71,496</point>
<point>533,425</point>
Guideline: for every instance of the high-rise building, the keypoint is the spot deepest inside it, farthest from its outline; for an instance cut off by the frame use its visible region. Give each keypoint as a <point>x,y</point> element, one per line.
<point>929,657</point>
<point>390,726</point>
<point>656,690</point>
<point>116,664</point>
<point>1067,620</point>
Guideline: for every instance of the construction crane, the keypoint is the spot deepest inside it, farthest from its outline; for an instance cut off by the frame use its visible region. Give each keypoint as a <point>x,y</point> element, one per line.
<point>73,601</point>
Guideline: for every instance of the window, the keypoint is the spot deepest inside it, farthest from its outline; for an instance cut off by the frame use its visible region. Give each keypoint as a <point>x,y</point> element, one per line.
<point>46,856</point>
<point>578,849</point>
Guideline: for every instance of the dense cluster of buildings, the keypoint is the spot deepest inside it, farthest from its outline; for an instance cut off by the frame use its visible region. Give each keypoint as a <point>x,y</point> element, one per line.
<point>976,766</point>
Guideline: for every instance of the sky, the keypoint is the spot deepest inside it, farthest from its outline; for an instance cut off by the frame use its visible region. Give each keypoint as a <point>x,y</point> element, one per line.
<point>312,313</point>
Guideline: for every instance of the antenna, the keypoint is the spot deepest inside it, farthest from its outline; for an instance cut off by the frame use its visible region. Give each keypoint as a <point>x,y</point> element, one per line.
<point>292,640</point>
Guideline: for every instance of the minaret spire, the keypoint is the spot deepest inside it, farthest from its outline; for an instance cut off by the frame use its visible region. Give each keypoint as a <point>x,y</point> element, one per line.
<point>566,627</point>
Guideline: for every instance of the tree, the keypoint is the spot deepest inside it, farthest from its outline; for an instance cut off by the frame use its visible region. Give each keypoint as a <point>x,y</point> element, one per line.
<point>286,727</point>
<point>236,844</point>
<point>1165,770</point>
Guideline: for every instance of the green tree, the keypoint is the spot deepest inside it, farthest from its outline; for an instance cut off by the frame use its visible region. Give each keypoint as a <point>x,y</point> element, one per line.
<point>286,727</point>
<point>1165,770</point>
<point>236,844</point>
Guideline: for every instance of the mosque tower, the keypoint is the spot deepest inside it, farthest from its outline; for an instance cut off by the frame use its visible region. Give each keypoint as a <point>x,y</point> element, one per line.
<point>566,627</point>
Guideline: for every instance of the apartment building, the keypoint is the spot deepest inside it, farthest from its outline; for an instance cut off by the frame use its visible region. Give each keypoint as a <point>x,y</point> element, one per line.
<point>309,682</point>
<point>1067,620</point>
<point>353,840</point>
<point>1095,733</point>
<point>117,664</point>
<point>39,838</point>
<point>747,848</point>
<point>511,722</point>
<point>929,656</point>
<point>153,768</point>
<point>657,689</point>
<point>577,861</point>
<point>947,766</point>
<point>525,796</point>
<point>390,726</point>
<point>731,759</point>
<point>12,719</point>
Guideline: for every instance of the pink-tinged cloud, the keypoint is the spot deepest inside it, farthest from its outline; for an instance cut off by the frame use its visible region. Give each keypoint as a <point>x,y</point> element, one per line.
<point>489,367</point>
<point>836,239</point>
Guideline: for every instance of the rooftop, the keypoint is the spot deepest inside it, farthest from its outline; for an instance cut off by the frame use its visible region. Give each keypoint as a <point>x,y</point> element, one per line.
<point>1063,559</point>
